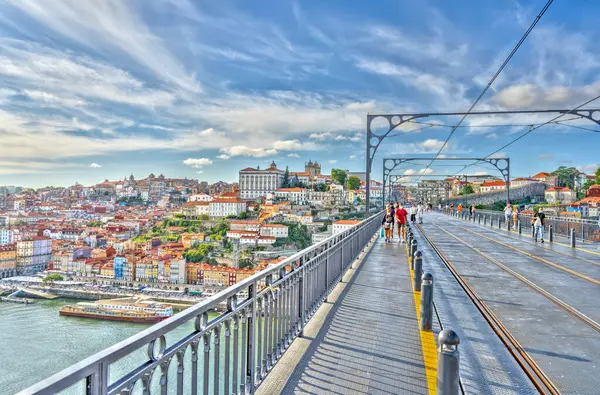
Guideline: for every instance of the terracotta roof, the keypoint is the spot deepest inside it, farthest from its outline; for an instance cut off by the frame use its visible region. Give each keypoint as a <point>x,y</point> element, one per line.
<point>227,201</point>
<point>347,222</point>
<point>274,226</point>
<point>525,179</point>
<point>290,190</point>
<point>541,175</point>
<point>495,183</point>
<point>300,174</point>
<point>558,189</point>
<point>193,204</point>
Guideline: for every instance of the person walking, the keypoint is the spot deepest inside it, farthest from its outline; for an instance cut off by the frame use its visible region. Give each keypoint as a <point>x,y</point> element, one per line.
<point>540,219</point>
<point>507,214</point>
<point>401,220</point>
<point>471,211</point>
<point>515,216</point>
<point>420,212</point>
<point>413,212</point>
<point>388,223</point>
<point>460,210</point>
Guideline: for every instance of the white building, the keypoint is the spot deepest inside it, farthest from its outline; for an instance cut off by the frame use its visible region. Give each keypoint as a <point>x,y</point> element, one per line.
<point>563,195</point>
<point>293,195</point>
<point>521,182</point>
<point>342,225</point>
<point>255,183</point>
<point>196,208</point>
<point>492,186</point>
<point>201,197</point>
<point>274,230</point>
<point>6,236</point>
<point>178,274</point>
<point>219,208</point>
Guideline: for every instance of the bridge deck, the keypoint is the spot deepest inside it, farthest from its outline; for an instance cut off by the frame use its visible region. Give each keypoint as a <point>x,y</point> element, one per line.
<point>368,342</point>
<point>545,295</point>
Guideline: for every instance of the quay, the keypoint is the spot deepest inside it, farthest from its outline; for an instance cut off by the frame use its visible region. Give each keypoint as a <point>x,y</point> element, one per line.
<point>353,315</point>
<point>13,299</point>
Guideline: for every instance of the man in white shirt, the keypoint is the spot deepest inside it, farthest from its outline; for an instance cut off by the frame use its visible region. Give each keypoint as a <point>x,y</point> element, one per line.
<point>413,212</point>
<point>507,213</point>
<point>420,211</point>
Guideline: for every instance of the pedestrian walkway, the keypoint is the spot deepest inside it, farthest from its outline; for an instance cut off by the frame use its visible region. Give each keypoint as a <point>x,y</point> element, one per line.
<point>369,341</point>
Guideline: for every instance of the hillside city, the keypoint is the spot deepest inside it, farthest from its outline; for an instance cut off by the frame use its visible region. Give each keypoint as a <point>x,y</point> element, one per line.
<point>181,233</point>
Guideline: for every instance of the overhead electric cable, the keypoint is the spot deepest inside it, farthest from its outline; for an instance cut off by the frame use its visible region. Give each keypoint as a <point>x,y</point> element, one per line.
<point>512,53</point>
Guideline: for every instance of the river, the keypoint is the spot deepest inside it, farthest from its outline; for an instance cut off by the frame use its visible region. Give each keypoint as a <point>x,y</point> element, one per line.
<point>36,342</point>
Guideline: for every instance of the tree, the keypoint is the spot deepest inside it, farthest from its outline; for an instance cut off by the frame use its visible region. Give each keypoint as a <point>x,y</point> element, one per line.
<point>286,178</point>
<point>53,277</point>
<point>243,215</point>
<point>339,176</point>
<point>566,176</point>
<point>598,176</point>
<point>353,183</point>
<point>467,190</point>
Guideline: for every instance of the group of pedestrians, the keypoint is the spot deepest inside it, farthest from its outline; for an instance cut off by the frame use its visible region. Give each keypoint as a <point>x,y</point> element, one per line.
<point>397,216</point>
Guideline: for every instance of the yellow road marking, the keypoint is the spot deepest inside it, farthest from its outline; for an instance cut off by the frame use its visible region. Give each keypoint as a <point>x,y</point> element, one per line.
<point>427,342</point>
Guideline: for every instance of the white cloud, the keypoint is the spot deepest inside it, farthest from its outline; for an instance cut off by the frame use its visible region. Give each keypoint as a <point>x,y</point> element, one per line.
<point>241,150</point>
<point>332,161</point>
<point>197,163</point>
<point>200,171</point>
<point>498,155</point>
<point>588,169</point>
<point>352,157</point>
<point>413,172</point>
<point>293,155</point>
<point>546,156</point>
<point>223,157</point>
<point>433,144</point>
<point>114,26</point>
<point>491,136</point>
<point>95,165</point>
<point>287,145</point>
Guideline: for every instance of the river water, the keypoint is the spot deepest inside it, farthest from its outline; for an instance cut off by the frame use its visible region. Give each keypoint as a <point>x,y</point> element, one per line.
<point>36,342</point>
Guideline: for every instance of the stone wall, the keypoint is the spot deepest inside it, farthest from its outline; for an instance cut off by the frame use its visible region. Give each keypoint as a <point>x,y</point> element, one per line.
<point>534,191</point>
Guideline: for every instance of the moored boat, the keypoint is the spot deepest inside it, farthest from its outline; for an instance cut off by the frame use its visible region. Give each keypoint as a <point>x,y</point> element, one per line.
<point>125,309</point>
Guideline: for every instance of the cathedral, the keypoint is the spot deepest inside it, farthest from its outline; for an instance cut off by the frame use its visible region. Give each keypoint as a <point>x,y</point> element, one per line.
<point>312,168</point>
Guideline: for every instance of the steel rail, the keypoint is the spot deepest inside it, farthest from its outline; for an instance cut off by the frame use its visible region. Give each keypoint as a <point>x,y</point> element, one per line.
<point>539,379</point>
<point>546,246</point>
<point>573,311</point>
<point>532,256</point>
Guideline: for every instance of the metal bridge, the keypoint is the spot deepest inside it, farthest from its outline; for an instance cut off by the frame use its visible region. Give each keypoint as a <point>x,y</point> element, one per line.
<point>357,315</point>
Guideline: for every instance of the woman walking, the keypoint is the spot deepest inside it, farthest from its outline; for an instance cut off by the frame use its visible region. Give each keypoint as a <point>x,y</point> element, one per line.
<point>388,225</point>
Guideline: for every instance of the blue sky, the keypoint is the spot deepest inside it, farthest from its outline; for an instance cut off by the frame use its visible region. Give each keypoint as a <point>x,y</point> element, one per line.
<point>101,89</point>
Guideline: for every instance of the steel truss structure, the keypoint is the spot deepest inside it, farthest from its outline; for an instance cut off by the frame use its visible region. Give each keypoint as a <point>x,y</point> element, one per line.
<point>374,140</point>
<point>502,164</point>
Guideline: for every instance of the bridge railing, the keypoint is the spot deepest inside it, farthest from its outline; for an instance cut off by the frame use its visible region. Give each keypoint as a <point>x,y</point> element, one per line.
<point>585,229</point>
<point>198,351</point>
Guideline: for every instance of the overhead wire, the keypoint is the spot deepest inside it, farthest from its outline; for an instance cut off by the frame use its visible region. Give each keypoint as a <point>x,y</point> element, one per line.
<point>531,129</point>
<point>512,53</point>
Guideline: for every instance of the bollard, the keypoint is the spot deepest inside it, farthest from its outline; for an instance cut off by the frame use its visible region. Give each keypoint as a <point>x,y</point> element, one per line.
<point>448,363</point>
<point>479,219</point>
<point>508,225</point>
<point>417,271</point>
<point>499,223</point>
<point>551,234</point>
<point>426,319</point>
<point>572,238</point>
<point>533,231</point>
<point>413,251</point>
<point>519,226</point>
<point>485,220</point>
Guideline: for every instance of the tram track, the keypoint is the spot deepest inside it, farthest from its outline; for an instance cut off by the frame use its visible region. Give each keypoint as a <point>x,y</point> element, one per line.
<point>547,245</point>
<point>532,256</point>
<point>529,366</point>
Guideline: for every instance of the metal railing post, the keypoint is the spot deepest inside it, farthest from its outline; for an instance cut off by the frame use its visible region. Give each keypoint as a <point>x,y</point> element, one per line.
<point>551,233</point>
<point>499,223</point>
<point>519,226</point>
<point>417,271</point>
<point>448,363</point>
<point>572,237</point>
<point>250,345</point>
<point>479,218</point>
<point>426,319</point>
<point>413,251</point>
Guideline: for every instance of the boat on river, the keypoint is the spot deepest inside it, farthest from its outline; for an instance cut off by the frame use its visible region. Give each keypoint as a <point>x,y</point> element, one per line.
<point>138,310</point>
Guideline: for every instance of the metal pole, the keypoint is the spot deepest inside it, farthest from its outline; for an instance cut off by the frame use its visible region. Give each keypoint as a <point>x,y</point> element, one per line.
<point>417,272</point>
<point>572,237</point>
<point>533,231</point>
<point>448,363</point>
<point>368,171</point>
<point>519,226</point>
<point>426,319</point>
<point>413,251</point>
<point>551,233</point>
